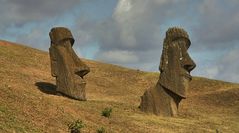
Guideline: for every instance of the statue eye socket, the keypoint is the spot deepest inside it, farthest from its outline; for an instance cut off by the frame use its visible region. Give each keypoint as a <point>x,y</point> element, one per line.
<point>64,44</point>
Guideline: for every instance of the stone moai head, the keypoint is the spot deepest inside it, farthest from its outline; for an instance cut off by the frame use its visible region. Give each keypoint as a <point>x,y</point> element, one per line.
<point>176,64</point>
<point>68,69</point>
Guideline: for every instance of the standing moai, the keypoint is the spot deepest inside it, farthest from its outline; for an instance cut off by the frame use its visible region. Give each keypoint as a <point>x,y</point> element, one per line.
<point>68,69</point>
<point>163,99</point>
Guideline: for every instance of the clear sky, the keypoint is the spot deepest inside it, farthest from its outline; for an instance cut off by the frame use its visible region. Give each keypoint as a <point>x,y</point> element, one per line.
<point>130,32</point>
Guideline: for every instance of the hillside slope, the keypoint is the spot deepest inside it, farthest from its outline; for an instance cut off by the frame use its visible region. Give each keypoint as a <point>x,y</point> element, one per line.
<point>28,102</point>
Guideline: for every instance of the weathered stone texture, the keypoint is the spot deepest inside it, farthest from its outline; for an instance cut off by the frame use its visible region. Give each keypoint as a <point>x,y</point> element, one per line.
<point>175,67</point>
<point>68,69</point>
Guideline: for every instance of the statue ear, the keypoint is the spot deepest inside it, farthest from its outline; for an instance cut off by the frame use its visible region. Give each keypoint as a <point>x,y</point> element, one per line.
<point>53,60</point>
<point>164,57</point>
<point>162,64</point>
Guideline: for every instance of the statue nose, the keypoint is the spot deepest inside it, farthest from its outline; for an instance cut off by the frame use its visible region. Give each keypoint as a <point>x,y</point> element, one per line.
<point>188,64</point>
<point>82,72</point>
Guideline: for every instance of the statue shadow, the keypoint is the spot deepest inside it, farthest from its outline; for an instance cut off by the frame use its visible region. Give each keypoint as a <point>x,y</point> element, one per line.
<point>50,89</point>
<point>47,88</point>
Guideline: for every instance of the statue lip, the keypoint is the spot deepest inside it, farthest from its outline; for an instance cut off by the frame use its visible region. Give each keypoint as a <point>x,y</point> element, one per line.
<point>83,82</point>
<point>188,76</point>
<point>80,80</point>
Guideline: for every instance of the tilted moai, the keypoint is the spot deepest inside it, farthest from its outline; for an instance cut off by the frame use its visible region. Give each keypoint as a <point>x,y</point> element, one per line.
<point>68,69</point>
<point>163,99</point>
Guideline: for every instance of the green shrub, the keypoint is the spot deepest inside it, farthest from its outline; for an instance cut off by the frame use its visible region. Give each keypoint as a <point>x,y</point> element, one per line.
<point>106,112</point>
<point>101,130</point>
<point>76,126</point>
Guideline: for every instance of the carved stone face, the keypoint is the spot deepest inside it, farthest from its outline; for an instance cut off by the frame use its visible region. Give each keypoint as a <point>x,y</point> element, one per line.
<point>68,69</point>
<point>176,64</point>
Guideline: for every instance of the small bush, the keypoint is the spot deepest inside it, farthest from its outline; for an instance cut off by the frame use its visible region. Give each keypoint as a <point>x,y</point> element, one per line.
<point>106,112</point>
<point>101,130</point>
<point>76,126</point>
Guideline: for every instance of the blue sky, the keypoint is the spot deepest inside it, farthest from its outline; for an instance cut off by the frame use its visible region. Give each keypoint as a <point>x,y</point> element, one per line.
<point>130,32</point>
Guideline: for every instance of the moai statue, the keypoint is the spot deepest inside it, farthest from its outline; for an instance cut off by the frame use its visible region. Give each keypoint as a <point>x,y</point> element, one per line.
<point>163,99</point>
<point>68,69</point>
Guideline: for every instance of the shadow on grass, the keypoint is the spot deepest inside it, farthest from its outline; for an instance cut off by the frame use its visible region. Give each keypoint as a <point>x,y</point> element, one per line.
<point>50,89</point>
<point>47,88</point>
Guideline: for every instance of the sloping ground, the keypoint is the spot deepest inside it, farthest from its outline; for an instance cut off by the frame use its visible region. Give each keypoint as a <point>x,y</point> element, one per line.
<point>28,102</point>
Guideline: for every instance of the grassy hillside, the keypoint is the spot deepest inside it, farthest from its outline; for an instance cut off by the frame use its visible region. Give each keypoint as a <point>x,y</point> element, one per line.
<point>28,102</point>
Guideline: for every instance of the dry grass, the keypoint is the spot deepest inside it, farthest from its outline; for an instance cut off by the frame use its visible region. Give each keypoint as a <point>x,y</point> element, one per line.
<point>211,105</point>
